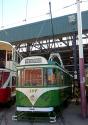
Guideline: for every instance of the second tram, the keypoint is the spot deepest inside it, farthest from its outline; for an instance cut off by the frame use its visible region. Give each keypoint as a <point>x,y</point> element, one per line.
<point>8,61</point>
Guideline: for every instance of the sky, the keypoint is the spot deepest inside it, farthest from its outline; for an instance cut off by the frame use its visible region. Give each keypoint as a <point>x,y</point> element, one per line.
<point>18,12</point>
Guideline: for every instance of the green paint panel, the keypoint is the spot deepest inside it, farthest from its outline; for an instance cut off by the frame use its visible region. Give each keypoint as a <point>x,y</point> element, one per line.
<point>22,100</point>
<point>50,98</point>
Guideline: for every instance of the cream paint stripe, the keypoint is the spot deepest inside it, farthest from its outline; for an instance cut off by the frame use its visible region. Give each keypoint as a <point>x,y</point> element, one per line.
<point>34,93</point>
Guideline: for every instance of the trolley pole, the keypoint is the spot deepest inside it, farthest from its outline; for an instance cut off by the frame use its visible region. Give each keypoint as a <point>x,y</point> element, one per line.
<point>81,63</point>
<point>51,22</point>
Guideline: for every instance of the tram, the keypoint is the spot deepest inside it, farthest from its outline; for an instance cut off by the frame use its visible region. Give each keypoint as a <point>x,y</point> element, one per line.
<point>42,85</point>
<point>8,61</point>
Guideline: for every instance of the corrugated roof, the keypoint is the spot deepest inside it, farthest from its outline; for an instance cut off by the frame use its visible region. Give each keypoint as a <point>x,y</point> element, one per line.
<point>42,29</point>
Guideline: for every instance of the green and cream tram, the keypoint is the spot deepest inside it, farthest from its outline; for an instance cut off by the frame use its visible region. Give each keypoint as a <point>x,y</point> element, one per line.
<point>42,84</point>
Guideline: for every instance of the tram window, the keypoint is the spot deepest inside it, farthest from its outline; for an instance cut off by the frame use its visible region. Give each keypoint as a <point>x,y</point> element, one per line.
<point>2,55</point>
<point>13,80</point>
<point>51,76</point>
<point>2,58</point>
<point>0,79</point>
<point>34,77</point>
<point>58,77</point>
<point>21,78</point>
<point>27,77</point>
<point>2,64</point>
<point>45,76</point>
<point>30,77</point>
<point>62,77</point>
<point>9,56</point>
<point>66,78</point>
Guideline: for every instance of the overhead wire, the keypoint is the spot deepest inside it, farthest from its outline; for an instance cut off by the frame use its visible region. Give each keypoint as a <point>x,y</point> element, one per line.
<point>2,14</point>
<point>26,10</point>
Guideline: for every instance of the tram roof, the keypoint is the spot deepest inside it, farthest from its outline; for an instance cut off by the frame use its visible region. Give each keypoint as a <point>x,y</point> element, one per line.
<point>63,26</point>
<point>5,46</point>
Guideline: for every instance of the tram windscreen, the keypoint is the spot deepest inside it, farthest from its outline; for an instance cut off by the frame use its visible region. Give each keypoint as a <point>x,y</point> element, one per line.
<point>38,77</point>
<point>30,77</point>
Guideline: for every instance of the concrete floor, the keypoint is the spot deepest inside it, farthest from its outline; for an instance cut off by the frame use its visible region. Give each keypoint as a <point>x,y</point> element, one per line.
<point>71,116</point>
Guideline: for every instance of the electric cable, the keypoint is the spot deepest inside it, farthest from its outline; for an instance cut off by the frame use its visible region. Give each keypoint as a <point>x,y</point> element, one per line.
<point>26,10</point>
<point>2,14</point>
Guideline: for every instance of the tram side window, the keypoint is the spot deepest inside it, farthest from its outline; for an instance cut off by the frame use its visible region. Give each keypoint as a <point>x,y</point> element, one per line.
<point>62,77</point>
<point>9,56</point>
<point>45,76</point>
<point>58,76</point>
<point>13,80</point>
<point>53,76</point>
<point>66,78</point>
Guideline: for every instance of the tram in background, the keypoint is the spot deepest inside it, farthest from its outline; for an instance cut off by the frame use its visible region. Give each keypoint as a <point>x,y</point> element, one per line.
<point>9,58</point>
<point>42,85</point>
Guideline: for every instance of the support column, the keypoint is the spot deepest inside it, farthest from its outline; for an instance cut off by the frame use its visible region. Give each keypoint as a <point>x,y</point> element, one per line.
<point>76,84</point>
<point>81,63</point>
